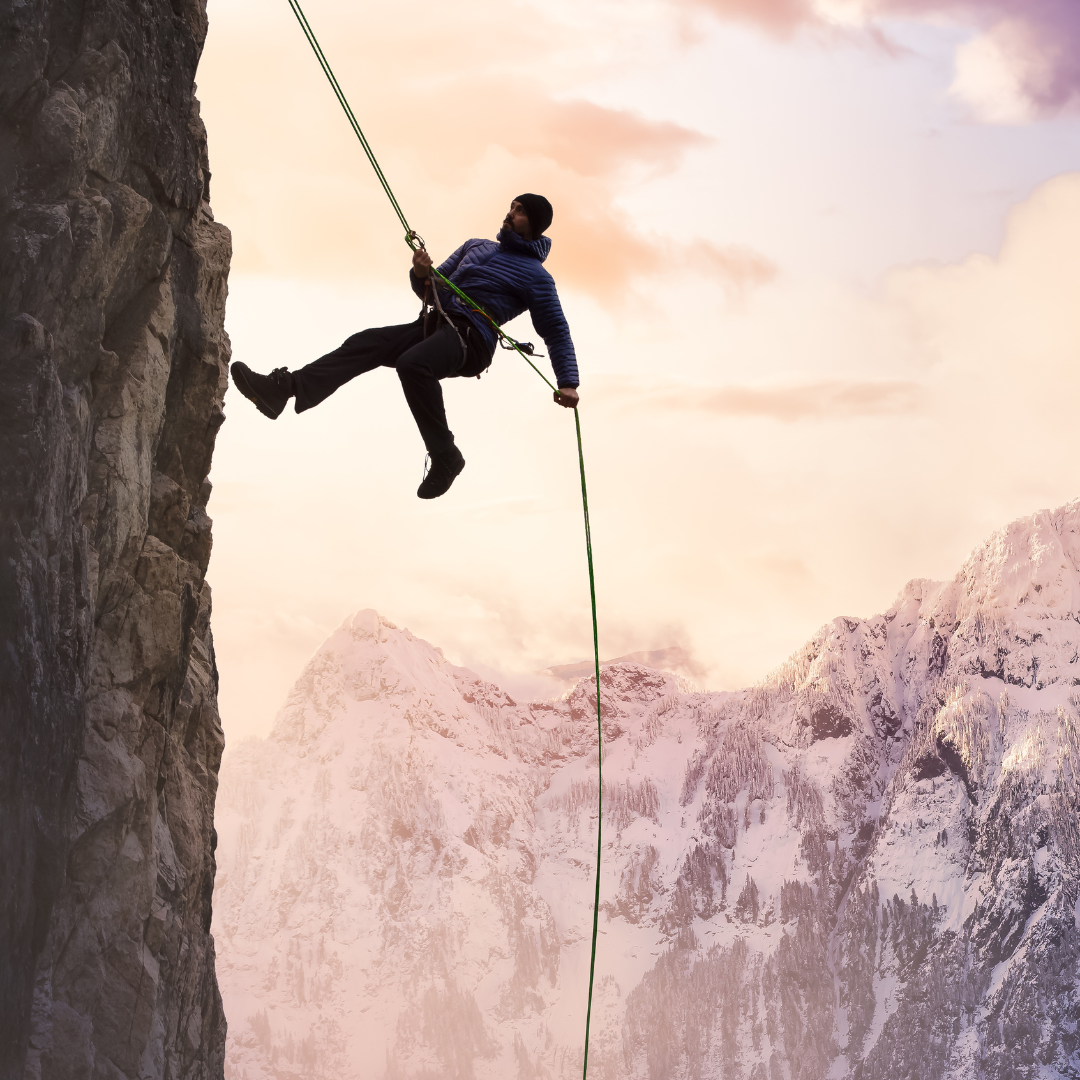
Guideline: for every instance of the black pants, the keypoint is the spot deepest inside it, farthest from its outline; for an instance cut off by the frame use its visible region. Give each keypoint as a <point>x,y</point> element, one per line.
<point>420,362</point>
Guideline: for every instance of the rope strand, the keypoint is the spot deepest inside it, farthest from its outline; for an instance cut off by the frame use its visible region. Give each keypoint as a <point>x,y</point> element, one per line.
<point>599,741</point>
<point>340,94</point>
<point>414,241</point>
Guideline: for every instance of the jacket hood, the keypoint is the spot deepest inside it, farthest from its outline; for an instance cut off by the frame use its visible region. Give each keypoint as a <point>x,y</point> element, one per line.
<point>538,249</point>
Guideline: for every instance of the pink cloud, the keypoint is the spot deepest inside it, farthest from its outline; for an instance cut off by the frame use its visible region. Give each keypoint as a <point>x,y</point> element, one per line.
<point>1026,63</point>
<point>1030,50</point>
<point>779,16</point>
<point>826,400</point>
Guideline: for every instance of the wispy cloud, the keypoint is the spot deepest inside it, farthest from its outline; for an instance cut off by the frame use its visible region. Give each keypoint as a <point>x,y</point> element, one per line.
<point>594,140</point>
<point>835,399</point>
<point>738,268</point>
<point>778,16</point>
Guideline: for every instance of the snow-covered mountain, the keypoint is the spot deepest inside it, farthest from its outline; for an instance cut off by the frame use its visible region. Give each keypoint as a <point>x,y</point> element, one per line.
<point>866,867</point>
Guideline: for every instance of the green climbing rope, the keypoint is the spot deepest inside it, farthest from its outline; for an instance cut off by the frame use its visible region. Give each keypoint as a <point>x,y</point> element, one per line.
<point>599,740</point>
<point>414,241</point>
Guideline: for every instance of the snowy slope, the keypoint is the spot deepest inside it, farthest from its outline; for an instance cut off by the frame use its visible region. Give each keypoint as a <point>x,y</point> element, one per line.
<point>865,867</point>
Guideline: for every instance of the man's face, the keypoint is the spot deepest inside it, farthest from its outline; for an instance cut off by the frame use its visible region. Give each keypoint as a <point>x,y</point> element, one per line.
<point>518,221</point>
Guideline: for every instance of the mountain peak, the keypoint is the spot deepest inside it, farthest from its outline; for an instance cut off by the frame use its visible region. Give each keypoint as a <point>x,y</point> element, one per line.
<point>1030,567</point>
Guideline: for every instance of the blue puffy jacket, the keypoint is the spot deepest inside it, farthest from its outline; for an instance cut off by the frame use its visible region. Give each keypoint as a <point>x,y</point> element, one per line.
<point>506,277</point>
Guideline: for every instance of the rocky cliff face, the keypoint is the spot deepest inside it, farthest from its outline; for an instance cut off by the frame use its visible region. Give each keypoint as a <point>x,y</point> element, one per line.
<point>866,867</point>
<point>112,293</point>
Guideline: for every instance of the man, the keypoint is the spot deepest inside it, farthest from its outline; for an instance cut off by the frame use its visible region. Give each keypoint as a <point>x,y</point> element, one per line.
<point>504,277</point>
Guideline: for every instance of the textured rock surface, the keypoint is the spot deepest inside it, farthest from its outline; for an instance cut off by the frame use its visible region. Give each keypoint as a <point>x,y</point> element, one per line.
<point>112,294</point>
<point>866,868</point>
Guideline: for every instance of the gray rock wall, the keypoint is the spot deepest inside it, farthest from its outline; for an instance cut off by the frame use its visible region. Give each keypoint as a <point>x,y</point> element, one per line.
<point>113,363</point>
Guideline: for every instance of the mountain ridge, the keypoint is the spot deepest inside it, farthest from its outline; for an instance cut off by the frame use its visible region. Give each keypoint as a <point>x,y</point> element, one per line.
<point>674,659</point>
<point>864,866</point>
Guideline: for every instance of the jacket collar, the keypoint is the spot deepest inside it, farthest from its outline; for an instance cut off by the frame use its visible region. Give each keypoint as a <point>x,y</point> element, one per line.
<point>538,248</point>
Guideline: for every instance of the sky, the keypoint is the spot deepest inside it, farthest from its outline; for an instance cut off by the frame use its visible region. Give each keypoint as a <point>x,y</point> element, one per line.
<point>819,260</point>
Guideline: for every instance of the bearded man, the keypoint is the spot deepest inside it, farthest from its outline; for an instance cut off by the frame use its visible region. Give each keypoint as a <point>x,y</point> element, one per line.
<point>503,278</point>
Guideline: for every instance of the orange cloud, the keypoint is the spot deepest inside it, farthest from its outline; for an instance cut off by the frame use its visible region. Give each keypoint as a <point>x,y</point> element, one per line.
<point>597,249</point>
<point>460,129</point>
<point>596,141</point>
<point>522,117</point>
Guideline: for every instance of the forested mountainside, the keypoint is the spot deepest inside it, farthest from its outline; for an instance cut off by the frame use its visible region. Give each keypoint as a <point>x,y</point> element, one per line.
<point>867,866</point>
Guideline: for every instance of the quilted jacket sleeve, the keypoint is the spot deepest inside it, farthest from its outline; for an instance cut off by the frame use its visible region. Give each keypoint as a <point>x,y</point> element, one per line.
<point>547,316</point>
<point>451,264</point>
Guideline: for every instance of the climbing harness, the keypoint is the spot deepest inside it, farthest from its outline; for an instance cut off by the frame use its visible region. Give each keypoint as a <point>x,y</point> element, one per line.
<point>437,305</point>
<point>526,350</point>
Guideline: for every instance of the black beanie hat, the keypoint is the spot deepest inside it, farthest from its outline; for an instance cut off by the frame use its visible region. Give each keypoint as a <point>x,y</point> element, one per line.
<point>538,210</point>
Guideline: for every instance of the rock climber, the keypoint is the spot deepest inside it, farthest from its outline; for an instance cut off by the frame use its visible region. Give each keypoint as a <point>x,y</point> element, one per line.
<point>504,277</point>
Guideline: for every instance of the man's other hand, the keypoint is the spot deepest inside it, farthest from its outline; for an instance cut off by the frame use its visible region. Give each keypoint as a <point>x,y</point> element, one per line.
<point>421,263</point>
<point>567,397</point>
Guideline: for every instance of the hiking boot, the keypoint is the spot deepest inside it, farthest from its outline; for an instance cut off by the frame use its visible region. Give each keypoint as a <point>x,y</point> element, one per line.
<point>270,393</point>
<point>445,465</point>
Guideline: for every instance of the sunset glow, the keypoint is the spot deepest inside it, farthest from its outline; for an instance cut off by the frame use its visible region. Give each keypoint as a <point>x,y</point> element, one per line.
<point>820,264</point>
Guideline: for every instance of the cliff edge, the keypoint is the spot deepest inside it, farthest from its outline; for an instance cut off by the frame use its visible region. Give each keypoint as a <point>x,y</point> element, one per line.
<point>114,364</point>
